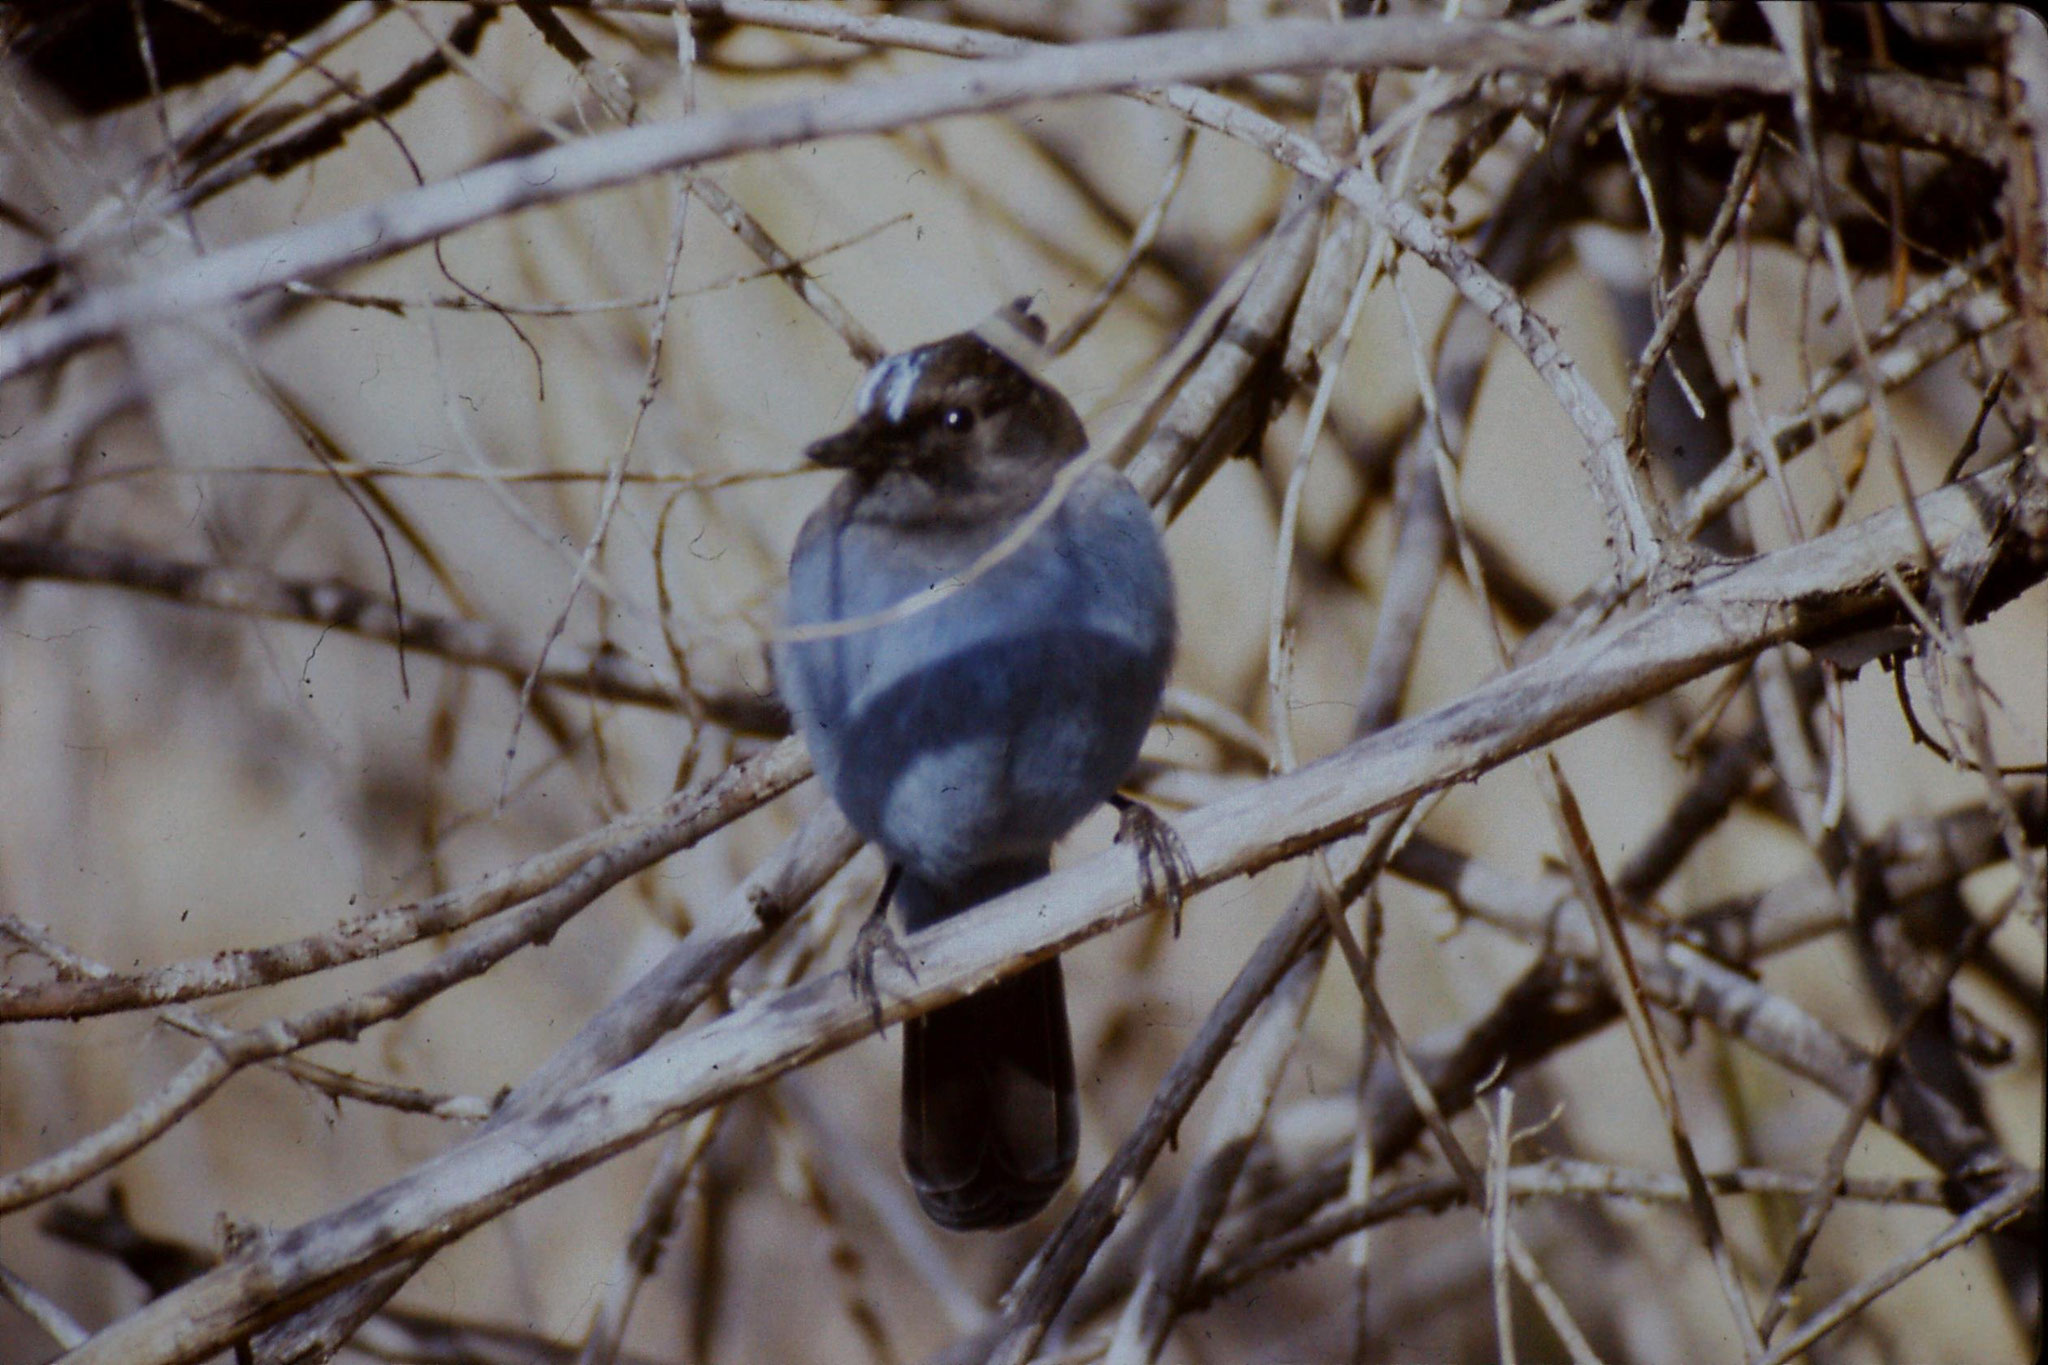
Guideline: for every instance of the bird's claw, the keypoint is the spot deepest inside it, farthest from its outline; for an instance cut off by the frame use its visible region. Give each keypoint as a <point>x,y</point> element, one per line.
<point>1164,867</point>
<point>875,936</point>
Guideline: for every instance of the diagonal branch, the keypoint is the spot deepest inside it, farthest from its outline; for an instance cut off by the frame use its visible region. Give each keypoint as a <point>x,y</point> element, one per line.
<point>1731,614</point>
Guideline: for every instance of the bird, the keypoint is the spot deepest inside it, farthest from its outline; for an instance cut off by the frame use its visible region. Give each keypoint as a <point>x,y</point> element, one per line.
<point>966,733</point>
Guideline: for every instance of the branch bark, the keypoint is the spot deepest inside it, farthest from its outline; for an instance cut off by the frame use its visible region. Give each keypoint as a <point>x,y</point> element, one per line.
<point>1730,614</point>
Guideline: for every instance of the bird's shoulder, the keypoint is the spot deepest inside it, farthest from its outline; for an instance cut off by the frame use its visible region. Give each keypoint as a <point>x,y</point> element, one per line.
<point>1101,490</point>
<point>1099,506</point>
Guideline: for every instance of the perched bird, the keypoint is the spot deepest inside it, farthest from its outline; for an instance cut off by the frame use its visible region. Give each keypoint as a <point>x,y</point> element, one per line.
<point>965,737</point>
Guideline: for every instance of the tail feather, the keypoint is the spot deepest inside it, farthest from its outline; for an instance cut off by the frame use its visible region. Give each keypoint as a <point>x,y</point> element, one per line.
<point>990,1127</point>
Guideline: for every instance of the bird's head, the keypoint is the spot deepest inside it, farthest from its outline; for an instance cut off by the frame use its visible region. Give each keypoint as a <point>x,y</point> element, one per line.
<point>960,416</point>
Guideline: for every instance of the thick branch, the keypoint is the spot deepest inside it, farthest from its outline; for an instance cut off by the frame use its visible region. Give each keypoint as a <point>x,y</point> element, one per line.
<point>1592,57</point>
<point>1732,614</point>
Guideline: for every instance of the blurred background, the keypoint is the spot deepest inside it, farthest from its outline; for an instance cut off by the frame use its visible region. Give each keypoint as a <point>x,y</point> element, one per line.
<point>199,755</point>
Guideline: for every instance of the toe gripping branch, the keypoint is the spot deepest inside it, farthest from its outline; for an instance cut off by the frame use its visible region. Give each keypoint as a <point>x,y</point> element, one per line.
<point>1164,867</point>
<point>876,936</point>
<point>1164,873</point>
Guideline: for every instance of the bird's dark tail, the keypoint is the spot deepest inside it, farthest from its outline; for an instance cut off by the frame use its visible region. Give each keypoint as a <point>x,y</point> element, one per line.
<point>989,1121</point>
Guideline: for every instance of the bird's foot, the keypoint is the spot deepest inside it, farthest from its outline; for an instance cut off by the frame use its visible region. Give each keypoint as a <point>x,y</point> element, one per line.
<point>1164,867</point>
<point>876,936</point>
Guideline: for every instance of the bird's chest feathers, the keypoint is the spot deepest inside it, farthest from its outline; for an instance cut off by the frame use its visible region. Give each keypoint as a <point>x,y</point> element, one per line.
<point>1053,584</point>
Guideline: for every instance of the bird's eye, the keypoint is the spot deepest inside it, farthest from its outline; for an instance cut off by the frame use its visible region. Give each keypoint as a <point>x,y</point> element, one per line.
<point>957,420</point>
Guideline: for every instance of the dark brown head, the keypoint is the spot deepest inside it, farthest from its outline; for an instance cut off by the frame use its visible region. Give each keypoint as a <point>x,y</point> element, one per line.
<point>958,419</point>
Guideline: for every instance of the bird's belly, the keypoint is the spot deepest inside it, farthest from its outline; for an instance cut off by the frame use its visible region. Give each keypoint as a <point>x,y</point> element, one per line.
<point>994,751</point>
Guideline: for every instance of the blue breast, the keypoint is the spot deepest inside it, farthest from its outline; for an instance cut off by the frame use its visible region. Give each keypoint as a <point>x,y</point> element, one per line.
<point>984,726</point>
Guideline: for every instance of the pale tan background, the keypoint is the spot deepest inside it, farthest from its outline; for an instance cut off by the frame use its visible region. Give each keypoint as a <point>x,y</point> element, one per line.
<point>174,782</point>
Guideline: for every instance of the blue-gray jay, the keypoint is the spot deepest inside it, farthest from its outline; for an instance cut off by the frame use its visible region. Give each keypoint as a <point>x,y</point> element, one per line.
<point>967,736</point>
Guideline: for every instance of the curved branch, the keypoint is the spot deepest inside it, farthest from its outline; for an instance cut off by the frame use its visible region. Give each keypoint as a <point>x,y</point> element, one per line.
<point>1730,615</point>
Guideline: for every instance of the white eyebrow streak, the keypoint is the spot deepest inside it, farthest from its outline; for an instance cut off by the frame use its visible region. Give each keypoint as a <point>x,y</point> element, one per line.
<point>890,383</point>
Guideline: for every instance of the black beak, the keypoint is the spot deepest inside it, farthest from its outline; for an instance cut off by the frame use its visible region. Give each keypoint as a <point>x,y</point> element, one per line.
<point>865,447</point>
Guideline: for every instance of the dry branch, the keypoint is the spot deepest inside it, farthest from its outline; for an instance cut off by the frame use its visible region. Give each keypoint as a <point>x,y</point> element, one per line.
<point>380,230</point>
<point>1892,154</point>
<point>1730,614</point>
